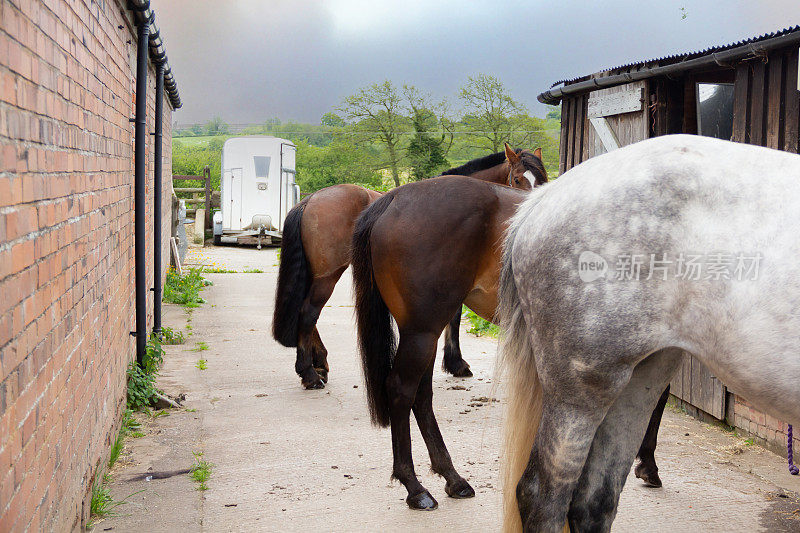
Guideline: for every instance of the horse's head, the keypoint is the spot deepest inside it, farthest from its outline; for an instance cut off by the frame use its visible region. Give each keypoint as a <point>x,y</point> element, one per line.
<point>527,170</point>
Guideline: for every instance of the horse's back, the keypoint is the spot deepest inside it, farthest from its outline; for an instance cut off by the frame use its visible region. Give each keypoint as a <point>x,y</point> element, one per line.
<point>327,225</point>
<point>677,241</point>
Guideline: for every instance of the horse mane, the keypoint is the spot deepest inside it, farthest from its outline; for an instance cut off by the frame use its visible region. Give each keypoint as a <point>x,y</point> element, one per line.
<point>476,165</point>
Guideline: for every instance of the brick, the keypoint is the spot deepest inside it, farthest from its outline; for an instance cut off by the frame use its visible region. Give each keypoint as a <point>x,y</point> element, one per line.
<point>65,173</point>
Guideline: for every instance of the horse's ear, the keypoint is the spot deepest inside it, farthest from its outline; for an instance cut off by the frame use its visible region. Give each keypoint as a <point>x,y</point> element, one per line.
<point>511,155</point>
<point>538,153</point>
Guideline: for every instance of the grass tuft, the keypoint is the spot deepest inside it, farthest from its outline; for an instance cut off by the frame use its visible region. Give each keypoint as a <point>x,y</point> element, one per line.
<point>185,290</point>
<point>479,326</point>
<point>202,364</point>
<point>201,470</point>
<point>171,336</point>
<point>200,347</point>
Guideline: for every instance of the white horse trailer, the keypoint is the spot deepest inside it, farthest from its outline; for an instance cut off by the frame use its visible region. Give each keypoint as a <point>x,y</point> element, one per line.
<point>258,189</point>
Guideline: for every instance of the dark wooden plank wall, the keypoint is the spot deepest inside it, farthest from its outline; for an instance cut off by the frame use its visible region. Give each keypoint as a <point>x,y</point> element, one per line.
<point>574,129</point>
<point>767,102</point>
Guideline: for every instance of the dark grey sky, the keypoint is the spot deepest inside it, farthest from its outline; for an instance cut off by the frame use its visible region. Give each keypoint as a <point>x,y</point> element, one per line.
<point>250,60</point>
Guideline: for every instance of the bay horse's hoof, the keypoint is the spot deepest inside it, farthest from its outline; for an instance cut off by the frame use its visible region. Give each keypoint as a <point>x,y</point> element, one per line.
<point>322,373</point>
<point>422,501</point>
<point>459,490</point>
<point>314,384</point>
<point>463,372</point>
<point>648,475</point>
<point>460,369</point>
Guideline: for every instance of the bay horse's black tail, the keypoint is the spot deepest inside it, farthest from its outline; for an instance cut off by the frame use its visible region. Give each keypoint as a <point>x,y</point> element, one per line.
<point>294,280</point>
<point>376,339</point>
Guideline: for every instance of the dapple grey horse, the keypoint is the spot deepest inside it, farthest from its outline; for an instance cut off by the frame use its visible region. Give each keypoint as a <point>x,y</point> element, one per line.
<point>674,243</point>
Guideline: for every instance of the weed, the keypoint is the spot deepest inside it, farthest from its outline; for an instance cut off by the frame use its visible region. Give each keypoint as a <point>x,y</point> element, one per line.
<point>190,409</point>
<point>197,239</point>
<point>200,347</point>
<point>141,388</point>
<point>202,364</point>
<point>130,425</point>
<point>116,448</point>
<point>253,271</point>
<point>216,270</point>
<point>184,290</point>
<point>154,355</point>
<point>479,326</point>
<point>170,336</point>
<point>201,470</point>
<point>160,412</point>
<point>102,504</point>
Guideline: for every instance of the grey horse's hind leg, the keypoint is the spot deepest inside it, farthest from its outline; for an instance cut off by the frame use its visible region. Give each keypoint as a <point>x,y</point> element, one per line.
<point>594,503</point>
<point>562,444</point>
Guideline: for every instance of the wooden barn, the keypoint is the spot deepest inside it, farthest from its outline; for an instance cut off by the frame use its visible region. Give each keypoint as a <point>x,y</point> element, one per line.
<point>745,91</point>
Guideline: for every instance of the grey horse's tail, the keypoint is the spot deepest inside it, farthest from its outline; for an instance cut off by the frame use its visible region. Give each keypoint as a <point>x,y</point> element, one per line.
<point>517,367</point>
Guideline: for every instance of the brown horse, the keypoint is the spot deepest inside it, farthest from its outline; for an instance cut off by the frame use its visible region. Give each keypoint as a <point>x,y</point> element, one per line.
<point>419,252</point>
<point>315,251</point>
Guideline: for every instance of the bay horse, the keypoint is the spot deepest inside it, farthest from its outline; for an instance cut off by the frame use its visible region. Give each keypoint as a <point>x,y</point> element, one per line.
<point>315,252</point>
<point>419,252</point>
<point>589,348</point>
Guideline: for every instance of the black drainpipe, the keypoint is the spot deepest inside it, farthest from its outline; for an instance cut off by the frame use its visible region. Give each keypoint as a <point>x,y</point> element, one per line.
<point>139,169</point>
<point>157,197</point>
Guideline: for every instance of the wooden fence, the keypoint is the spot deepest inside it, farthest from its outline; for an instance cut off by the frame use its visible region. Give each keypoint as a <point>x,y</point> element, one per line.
<point>195,197</point>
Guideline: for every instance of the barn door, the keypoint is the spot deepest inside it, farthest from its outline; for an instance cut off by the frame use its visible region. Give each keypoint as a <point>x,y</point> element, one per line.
<point>618,117</point>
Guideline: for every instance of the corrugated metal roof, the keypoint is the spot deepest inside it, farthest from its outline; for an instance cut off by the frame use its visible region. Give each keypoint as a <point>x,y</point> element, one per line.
<point>677,58</point>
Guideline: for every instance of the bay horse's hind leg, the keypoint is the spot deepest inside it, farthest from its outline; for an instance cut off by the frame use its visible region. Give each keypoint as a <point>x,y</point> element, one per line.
<point>453,363</point>
<point>311,353</point>
<point>647,470</point>
<point>594,502</point>
<point>456,486</point>
<point>319,355</point>
<point>416,353</point>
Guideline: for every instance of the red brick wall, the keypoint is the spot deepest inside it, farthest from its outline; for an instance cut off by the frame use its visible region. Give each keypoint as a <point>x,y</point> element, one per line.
<point>766,430</point>
<point>67,72</point>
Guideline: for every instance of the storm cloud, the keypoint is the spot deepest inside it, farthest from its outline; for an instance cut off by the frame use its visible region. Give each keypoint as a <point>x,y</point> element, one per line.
<point>250,60</point>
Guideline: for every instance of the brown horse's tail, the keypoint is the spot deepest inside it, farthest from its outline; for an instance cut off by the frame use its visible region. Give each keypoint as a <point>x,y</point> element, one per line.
<point>294,280</point>
<point>376,339</point>
<point>516,365</point>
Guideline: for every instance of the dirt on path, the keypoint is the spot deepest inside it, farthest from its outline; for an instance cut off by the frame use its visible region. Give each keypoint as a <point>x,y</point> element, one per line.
<point>287,459</point>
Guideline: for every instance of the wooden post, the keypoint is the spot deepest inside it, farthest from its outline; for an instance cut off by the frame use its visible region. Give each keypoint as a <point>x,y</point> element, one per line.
<point>207,176</point>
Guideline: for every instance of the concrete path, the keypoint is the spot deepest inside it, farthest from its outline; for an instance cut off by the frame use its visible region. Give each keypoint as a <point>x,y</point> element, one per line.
<point>286,459</point>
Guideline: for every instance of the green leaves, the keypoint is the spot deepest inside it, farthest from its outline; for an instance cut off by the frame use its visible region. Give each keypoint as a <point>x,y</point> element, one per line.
<point>184,290</point>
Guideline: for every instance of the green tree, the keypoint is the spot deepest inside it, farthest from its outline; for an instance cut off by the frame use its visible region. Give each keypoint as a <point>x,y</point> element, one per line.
<point>376,114</point>
<point>332,120</point>
<point>489,112</point>
<point>425,151</point>
<point>216,126</point>
<point>339,162</point>
<point>554,112</point>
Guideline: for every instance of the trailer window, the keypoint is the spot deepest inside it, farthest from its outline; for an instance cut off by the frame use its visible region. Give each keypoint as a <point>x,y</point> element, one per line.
<point>715,110</point>
<point>262,166</point>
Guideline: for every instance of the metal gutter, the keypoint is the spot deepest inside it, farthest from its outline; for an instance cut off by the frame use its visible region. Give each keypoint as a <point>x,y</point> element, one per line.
<point>723,58</point>
<point>158,52</point>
